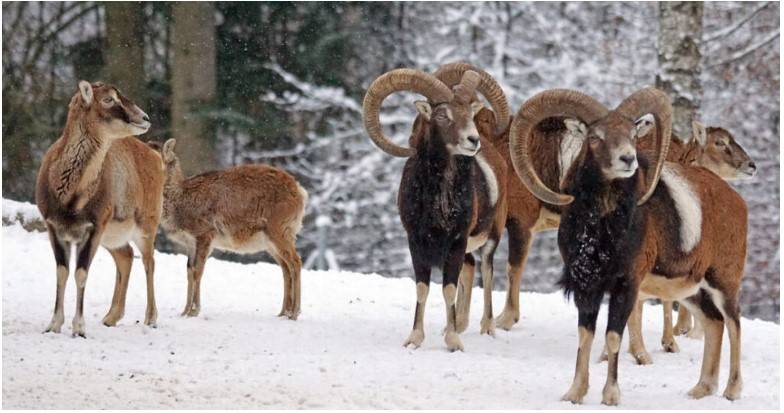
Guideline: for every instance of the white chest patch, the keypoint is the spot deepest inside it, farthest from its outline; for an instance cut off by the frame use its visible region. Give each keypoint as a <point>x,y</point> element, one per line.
<point>570,147</point>
<point>687,204</point>
<point>490,179</point>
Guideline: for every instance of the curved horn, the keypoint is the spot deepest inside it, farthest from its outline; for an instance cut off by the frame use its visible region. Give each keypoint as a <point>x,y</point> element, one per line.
<point>656,102</point>
<point>464,91</point>
<point>395,81</point>
<point>550,103</point>
<point>452,73</point>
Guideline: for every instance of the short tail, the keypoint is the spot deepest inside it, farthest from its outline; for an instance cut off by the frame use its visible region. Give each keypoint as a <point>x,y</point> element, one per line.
<point>301,213</point>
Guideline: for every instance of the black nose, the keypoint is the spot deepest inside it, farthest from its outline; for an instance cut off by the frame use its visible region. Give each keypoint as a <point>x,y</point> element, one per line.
<point>146,118</point>
<point>474,140</point>
<point>752,165</point>
<point>627,159</point>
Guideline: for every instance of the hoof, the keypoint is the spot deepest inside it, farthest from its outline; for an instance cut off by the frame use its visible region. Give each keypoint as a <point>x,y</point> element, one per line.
<point>701,390</point>
<point>680,330</point>
<point>642,358</point>
<point>611,395</point>
<point>54,328</point>
<point>291,315</point>
<point>78,328</point>
<point>575,395</point>
<point>487,326</point>
<point>415,339</point>
<point>193,312</point>
<point>110,320</point>
<point>671,347</point>
<point>733,390</point>
<point>453,342</point>
<point>151,319</point>
<point>507,320</point>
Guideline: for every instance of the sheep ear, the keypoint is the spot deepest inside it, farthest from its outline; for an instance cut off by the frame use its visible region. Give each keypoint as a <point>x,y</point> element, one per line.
<point>424,108</point>
<point>644,125</point>
<point>86,90</point>
<point>168,150</point>
<point>576,127</point>
<point>476,106</point>
<point>698,132</point>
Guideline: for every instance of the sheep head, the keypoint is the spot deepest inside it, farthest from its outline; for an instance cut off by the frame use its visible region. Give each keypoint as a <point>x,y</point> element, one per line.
<point>610,136</point>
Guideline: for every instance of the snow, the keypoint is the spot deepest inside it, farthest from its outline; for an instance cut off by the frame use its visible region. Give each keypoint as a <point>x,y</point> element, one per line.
<point>345,351</point>
<point>19,211</point>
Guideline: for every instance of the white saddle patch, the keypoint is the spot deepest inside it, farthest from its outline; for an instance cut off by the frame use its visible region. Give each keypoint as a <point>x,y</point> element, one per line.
<point>490,179</point>
<point>687,204</point>
<point>571,143</point>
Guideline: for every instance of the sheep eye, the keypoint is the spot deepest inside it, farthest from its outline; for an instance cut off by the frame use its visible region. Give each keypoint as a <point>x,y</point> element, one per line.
<point>108,100</point>
<point>719,143</point>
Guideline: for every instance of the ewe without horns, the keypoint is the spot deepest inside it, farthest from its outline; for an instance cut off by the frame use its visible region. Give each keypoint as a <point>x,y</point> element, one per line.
<point>612,242</point>
<point>98,185</point>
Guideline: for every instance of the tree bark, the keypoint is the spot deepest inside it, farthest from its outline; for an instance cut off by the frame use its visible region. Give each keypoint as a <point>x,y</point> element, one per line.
<point>193,84</point>
<point>125,55</point>
<point>680,31</point>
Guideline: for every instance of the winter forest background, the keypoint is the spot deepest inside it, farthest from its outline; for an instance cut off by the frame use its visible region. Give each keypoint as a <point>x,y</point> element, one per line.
<point>282,83</point>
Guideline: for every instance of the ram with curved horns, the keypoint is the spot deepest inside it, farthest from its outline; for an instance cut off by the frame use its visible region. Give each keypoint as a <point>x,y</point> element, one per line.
<point>622,234</point>
<point>452,196</point>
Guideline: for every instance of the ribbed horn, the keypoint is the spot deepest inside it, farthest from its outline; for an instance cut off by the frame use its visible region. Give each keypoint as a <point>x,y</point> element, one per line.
<point>550,103</point>
<point>451,74</point>
<point>395,81</point>
<point>653,101</point>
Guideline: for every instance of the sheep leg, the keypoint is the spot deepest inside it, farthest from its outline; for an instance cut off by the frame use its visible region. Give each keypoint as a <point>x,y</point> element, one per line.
<point>622,303</point>
<point>285,269</point>
<point>487,325</point>
<point>62,256</point>
<point>696,332</point>
<point>123,260</point>
<point>147,247</point>
<point>684,324</point>
<point>586,325</point>
<point>636,342</point>
<point>706,313</point>
<point>422,274</point>
<point>84,257</point>
<point>452,267</point>
<point>465,288</point>
<point>732,321</point>
<point>519,246</point>
<point>202,252</point>
<point>189,293</point>
<point>668,337</point>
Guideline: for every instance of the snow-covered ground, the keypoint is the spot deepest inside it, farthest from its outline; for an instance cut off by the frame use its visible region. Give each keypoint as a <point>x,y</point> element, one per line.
<point>344,352</point>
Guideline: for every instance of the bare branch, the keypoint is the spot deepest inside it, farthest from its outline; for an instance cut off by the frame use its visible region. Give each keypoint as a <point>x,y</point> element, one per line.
<point>747,51</point>
<point>718,34</point>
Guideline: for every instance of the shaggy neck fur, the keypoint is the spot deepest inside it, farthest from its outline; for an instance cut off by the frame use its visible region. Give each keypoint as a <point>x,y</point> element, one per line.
<point>80,162</point>
<point>599,232</point>
<point>443,178</point>
<point>436,197</point>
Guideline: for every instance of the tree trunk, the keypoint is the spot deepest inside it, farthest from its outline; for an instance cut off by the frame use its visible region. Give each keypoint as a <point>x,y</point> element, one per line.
<point>125,55</point>
<point>193,84</point>
<point>680,31</point>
